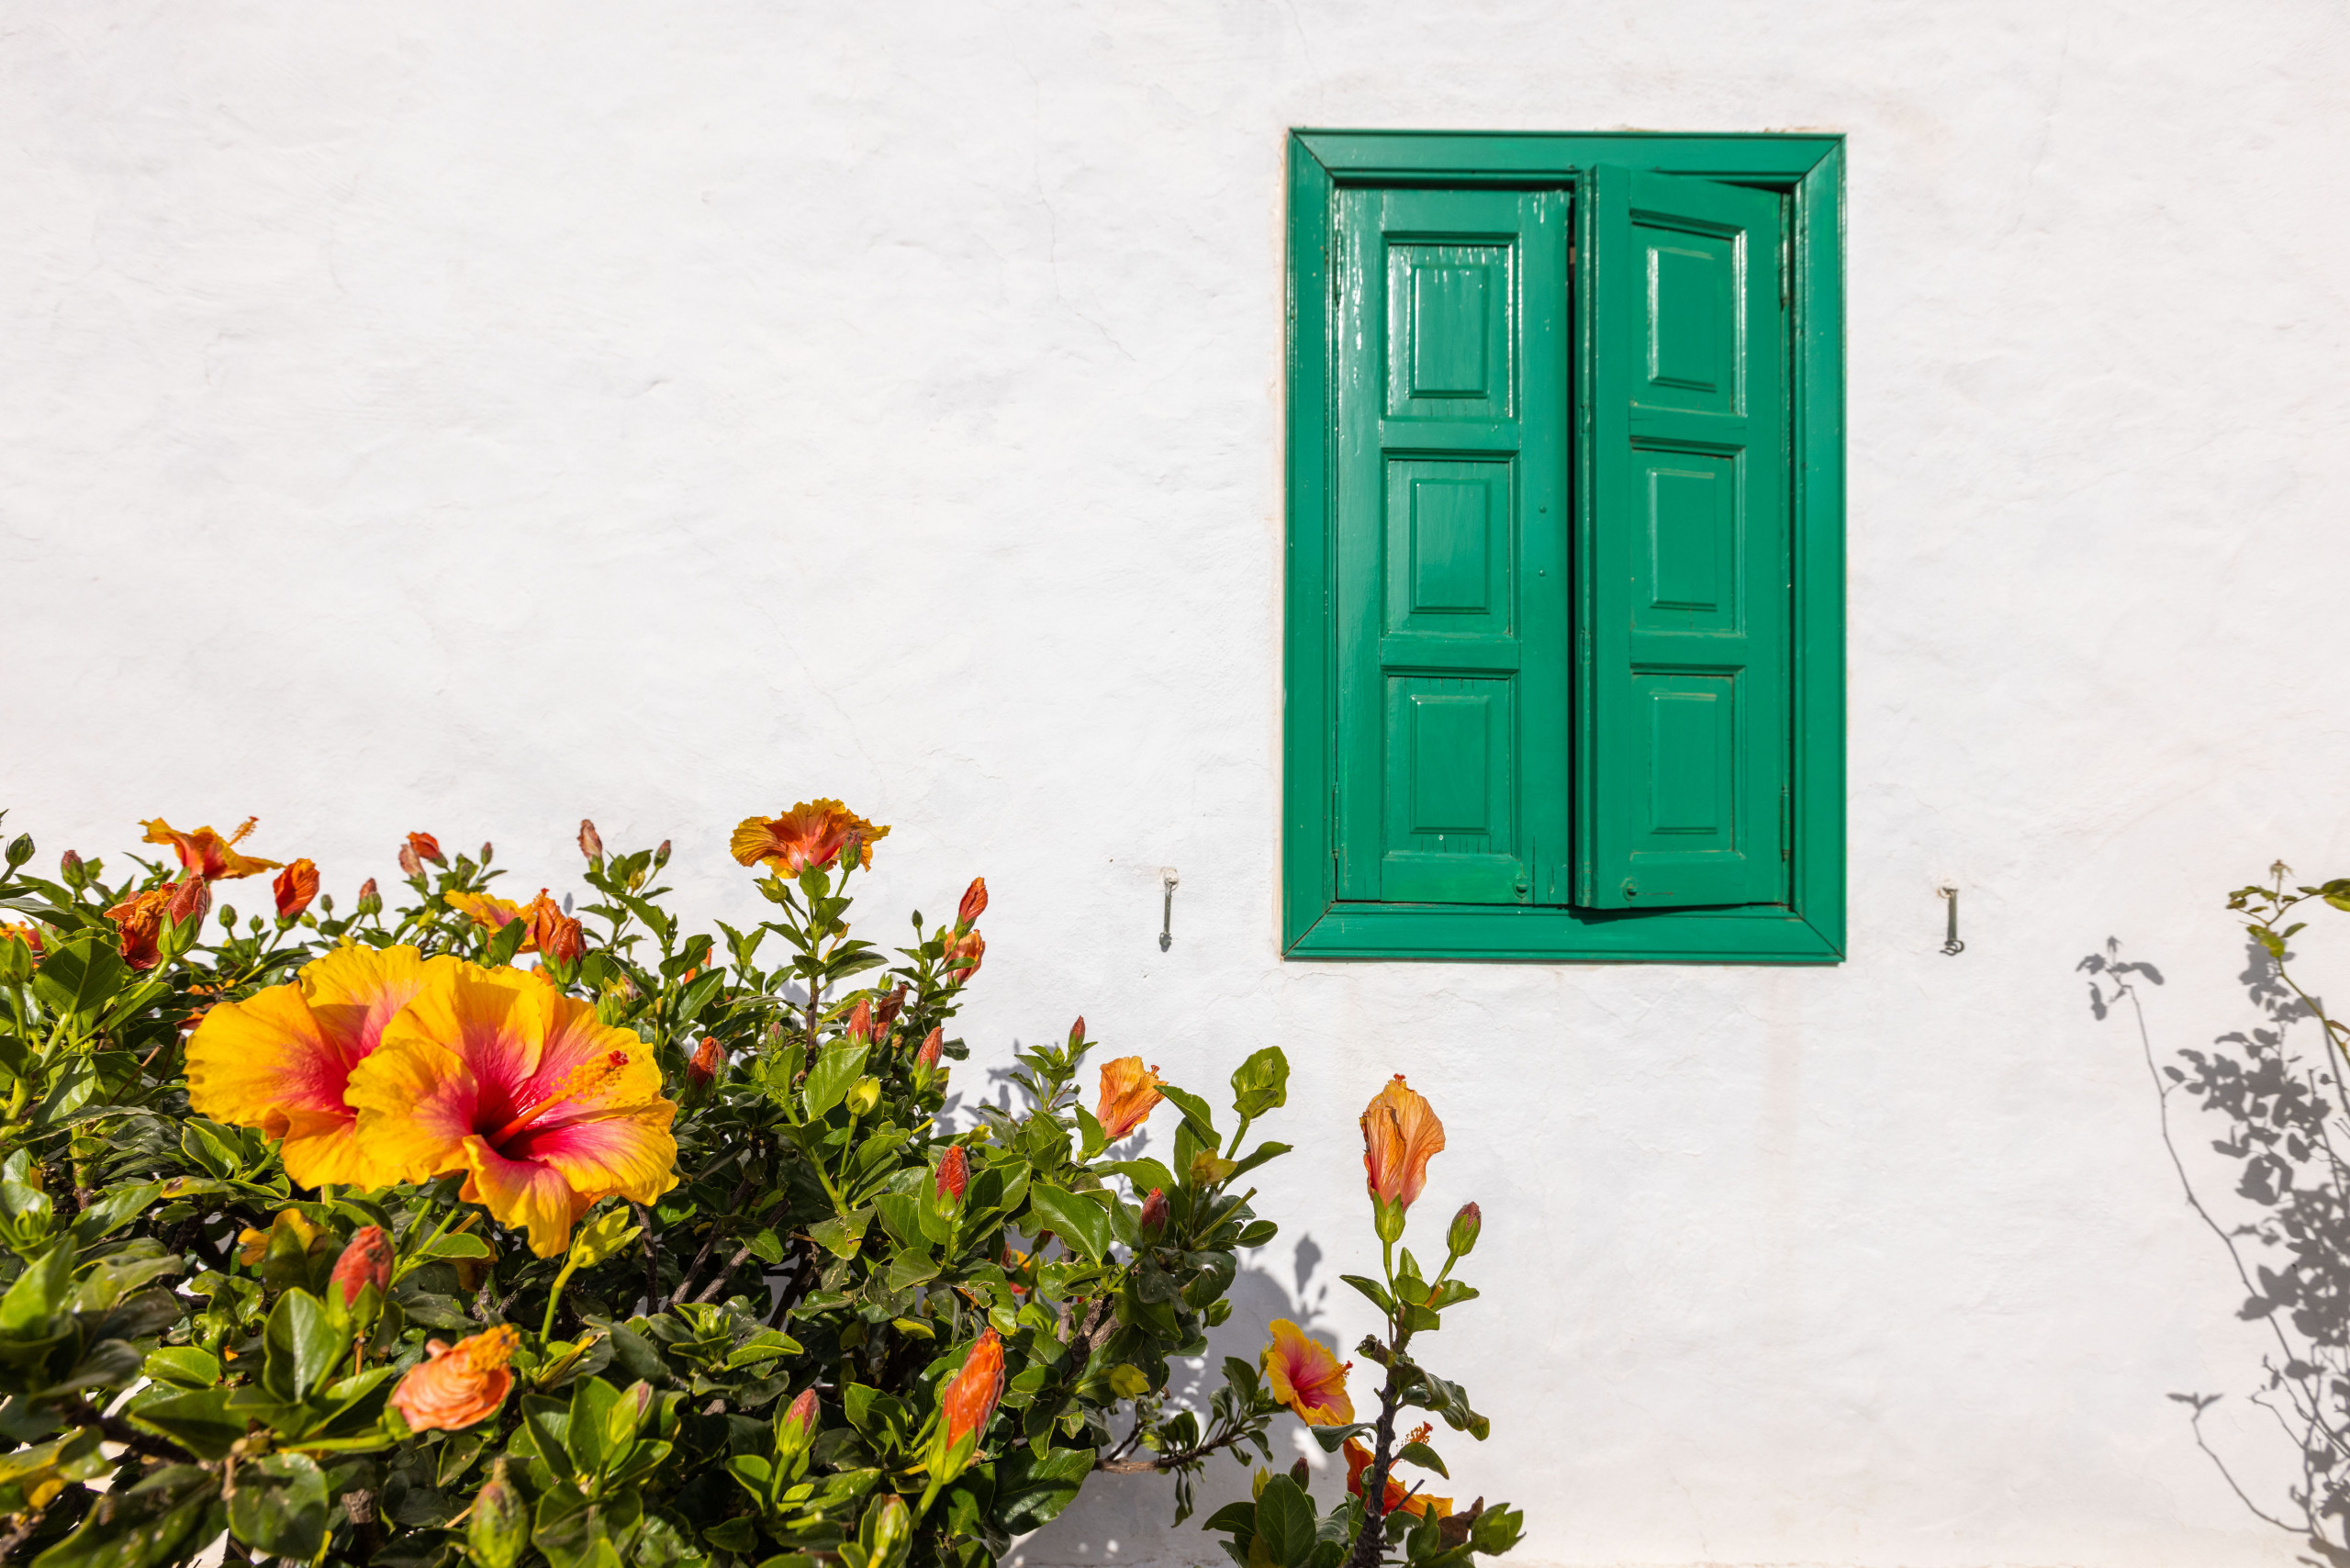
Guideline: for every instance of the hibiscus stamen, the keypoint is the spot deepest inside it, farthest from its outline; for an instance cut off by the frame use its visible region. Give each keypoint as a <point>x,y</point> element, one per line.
<point>587,1079</point>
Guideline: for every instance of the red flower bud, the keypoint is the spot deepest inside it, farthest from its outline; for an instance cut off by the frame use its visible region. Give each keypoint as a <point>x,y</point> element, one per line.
<point>487,853</point>
<point>367,1262</point>
<point>296,887</point>
<point>371,901</point>
<point>932,1043</point>
<point>1076,1031</point>
<point>1153,1213</point>
<point>702,1071</point>
<point>591,843</point>
<point>798,1428</point>
<point>969,1398</point>
<point>190,900</point>
<point>955,1173</point>
<point>975,903</point>
<point>860,1020</point>
<point>427,847</point>
<point>563,941</point>
<point>1465,1226</point>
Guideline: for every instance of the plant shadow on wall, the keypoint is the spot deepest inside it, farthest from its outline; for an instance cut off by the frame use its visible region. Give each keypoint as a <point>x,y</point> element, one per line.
<point>727,1289</point>
<point>2277,1095</point>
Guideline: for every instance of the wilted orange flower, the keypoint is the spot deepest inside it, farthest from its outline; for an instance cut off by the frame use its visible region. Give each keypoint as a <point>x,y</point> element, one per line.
<point>1395,1494</point>
<point>1400,1136</point>
<point>553,932</point>
<point>812,832</point>
<point>498,1074</point>
<point>140,917</point>
<point>1155,1210</point>
<point>281,1059</point>
<point>294,887</point>
<point>975,903</point>
<point>1306,1377</point>
<point>1129,1094</point>
<point>458,1385</point>
<point>424,847</point>
<point>206,853</point>
<point>962,955</point>
<point>968,1400</point>
<point>29,935</point>
<point>591,843</point>
<point>702,1071</point>
<point>887,1014</point>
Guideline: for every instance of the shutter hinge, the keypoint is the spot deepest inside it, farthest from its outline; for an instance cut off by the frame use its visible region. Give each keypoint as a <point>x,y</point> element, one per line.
<point>1786,823</point>
<point>1786,266</point>
<point>1338,273</point>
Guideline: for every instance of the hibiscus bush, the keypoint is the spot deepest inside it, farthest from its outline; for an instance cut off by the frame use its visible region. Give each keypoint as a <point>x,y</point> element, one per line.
<point>447,1229</point>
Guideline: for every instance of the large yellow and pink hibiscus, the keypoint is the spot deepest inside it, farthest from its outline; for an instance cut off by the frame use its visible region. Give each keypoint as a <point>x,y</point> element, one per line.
<point>498,1074</point>
<point>281,1059</point>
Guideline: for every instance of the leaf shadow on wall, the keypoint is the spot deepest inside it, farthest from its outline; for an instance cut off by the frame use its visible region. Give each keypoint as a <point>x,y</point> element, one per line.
<point>2277,1099</point>
<point>1130,1519</point>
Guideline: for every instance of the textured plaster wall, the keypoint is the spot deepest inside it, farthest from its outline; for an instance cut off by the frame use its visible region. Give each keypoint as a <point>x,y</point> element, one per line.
<point>470,417</point>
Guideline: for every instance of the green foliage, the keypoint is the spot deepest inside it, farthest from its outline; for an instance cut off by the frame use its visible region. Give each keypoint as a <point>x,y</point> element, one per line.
<point>179,1355</point>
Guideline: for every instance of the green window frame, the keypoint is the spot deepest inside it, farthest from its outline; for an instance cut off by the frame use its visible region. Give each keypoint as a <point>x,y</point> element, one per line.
<point>1668,780</point>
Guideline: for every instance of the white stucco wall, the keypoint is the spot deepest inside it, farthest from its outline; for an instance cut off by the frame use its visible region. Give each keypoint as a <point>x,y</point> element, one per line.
<point>468,417</point>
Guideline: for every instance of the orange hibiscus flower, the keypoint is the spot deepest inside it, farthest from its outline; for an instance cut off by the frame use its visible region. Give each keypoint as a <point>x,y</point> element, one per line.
<point>1395,1494</point>
<point>1400,1136</point>
<point>206,853</point>
<point>458,1385</point>
<point>1306,1377</point>
<point>1129,1094</point>
<point>140,917</point>
<point>813,832</point>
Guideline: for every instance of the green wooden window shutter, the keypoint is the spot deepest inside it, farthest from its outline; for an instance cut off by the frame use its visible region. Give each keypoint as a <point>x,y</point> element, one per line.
<point>1683,697</point>
<point>1451,512</point>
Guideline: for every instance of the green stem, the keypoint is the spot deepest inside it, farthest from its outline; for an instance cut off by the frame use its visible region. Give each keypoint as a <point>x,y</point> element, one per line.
<point>554,1300</point>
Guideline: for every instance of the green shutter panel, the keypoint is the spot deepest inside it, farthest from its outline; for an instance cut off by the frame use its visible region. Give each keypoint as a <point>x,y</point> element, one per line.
<point>1683,694</point>
<point>1452,591</point>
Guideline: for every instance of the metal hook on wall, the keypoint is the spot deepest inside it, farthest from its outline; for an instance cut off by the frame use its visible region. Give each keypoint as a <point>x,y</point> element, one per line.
<point>1167,878</point>
<point>1952,945</point>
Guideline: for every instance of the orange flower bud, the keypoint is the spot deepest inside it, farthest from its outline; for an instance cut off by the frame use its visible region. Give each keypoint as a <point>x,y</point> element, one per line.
<point>565,941</point>
<point>1077,1033</point>
<point>1153,1213</point>
<point>860,1020</point>
<point>954,1174</point>
<point>1400,1136</point>
<point>591,843</point>
<point>458,1385</point>
<point>962,953</point>
<point>371,901</point>
<point>932,1043</point>
<point>1129,1094</point>
<point>367,1262</point>
<point>969,1398</point>
<point>975,903</point>
<point>702,1071</point>
<point>426,846</point>
<point>296,886</point>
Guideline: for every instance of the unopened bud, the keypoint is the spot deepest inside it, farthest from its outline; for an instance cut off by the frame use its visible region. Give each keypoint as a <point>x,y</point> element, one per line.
<point>370,901</point>
<point>1076,1031</point>
<point>190,900</point>
<point>798,1428</point>
<point>975,903</point>
<point>932,1043</point>
<point>954,1174</point>
<point>69,866</point>
<point>487,853</point>
<point>1301,1472</point>
<point>21,849</point>
<point>591,843</point>
<point>428,846</point>
<point>565,940</point>
<point>887,1531</point>
<point>1153,1214</point>
<point>1462,1237</point>
<point>500,1528</point>
<point>863,1095</point>
<point>367,1260</point>
<point>294,887</point>
<point>661,856</point>
<point>860,1020</point>
<point>702,1071</point>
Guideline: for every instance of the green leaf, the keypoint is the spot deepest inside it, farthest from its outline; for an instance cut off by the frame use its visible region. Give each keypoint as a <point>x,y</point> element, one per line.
<point>145,1526</point>
<point>840,1234</point>
<point>1422,1456</point>
<point>1371,1288</point>
<point>1255,1157</point>
<point>37,1294</point>
<point>1145,1174</point>
<point>839,1066</point>
<point>463,1244</point>
<point>1031,1490</point>
<point>1285,1522</point>
<point>505,943</point>
<point>201,1422</point>
<point>280,1505</point>
<point>75,981</point>
<point>300,1345</point>
<point>1076,1218</point>
<point>1240,1517</point>
<point>1262,1083</point>
<point>1195,1112</point>
<point>183,1366</point>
